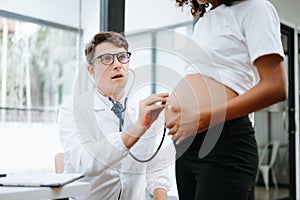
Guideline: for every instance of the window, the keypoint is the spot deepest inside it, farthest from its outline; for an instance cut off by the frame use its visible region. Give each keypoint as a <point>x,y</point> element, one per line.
<point>37,71</point>
<point>37,64</point>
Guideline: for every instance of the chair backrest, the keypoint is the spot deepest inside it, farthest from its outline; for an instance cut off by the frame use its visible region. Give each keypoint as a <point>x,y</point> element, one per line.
<point>274,146</point>
<point>59,163</point>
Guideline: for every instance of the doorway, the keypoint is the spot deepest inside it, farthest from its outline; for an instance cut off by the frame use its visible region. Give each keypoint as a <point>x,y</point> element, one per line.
<point>277,123</point>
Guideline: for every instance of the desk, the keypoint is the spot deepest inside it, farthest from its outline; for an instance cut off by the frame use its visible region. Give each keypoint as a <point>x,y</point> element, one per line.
<point>38,193</point>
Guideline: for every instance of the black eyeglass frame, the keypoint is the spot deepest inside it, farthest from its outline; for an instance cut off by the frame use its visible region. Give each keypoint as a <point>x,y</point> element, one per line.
<point>118,55</point>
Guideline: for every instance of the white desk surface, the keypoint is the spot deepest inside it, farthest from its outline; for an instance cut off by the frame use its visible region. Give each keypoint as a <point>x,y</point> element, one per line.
<point>37,193</point>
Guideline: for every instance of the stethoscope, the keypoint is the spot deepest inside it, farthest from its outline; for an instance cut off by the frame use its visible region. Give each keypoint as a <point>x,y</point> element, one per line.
<point>121,120</point>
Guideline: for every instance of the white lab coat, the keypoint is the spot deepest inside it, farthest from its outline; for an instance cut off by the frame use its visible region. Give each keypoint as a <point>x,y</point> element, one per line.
<point>93,146</point>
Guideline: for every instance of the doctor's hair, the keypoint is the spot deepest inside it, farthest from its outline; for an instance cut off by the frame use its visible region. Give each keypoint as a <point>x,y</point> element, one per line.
<point>115,38</point>
<point>198,10</point>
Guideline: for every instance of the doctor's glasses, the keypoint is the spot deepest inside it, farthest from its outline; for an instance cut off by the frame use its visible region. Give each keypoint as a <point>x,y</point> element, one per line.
<point>108,58</point>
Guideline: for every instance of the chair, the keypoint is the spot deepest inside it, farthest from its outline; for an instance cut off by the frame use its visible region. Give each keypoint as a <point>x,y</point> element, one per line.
<point>266,163</point>
<point>59,163</point>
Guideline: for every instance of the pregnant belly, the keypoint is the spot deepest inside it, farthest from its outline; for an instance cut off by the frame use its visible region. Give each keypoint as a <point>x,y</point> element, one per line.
<point>194,93</point>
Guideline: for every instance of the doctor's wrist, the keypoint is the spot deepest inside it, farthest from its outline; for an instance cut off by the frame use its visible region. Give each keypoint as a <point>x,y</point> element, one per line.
<point>132,134</point>
<point>160,194</point>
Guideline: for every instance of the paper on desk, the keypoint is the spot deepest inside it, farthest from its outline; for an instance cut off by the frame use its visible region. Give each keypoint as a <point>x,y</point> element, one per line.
<point>39,179</point>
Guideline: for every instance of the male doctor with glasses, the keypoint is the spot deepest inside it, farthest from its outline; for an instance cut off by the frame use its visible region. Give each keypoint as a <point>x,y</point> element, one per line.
<point>99,129</point>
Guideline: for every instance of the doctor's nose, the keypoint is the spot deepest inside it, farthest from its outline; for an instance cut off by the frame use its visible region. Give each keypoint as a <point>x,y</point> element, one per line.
<point>117,65</point>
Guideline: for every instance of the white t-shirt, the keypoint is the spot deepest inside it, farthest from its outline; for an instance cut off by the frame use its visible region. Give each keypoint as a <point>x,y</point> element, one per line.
<point>233,37</point>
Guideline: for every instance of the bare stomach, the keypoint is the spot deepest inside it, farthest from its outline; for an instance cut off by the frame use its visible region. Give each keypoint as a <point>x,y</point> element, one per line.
<point>194,93</point>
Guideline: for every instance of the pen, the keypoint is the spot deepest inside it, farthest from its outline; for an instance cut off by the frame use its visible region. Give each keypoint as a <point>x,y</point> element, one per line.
<point>2,175</point>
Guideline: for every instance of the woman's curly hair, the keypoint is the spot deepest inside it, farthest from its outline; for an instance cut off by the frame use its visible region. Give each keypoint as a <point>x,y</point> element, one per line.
<point>197,9</point>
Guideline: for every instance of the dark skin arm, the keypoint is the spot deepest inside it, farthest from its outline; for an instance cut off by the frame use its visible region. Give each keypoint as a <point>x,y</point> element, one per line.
<point>272,88</point>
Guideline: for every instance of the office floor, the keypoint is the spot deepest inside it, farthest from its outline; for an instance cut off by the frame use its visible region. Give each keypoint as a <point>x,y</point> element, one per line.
<point>261,194</point>
<point>273,194</point>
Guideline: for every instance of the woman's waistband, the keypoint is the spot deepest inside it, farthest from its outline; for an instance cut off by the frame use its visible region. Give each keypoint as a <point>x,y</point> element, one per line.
<point>229,129</point>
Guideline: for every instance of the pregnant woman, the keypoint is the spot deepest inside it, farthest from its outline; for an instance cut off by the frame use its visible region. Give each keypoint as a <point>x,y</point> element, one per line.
<point>210,112</point>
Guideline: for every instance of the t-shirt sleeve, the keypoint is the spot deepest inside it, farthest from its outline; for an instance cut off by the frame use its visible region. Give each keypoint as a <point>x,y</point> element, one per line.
<point>261,26</point>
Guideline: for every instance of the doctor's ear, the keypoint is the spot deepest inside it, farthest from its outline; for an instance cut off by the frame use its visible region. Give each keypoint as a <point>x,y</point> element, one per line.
<point>90,69</point>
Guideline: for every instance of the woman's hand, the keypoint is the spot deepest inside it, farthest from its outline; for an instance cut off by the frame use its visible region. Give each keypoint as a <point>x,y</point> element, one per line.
<point>149,110</point>
<point>182,112</point>
<point>182,121</point>
<point>191,106</point>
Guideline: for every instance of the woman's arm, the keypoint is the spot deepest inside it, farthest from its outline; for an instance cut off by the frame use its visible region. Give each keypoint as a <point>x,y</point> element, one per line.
<point>271,89</point>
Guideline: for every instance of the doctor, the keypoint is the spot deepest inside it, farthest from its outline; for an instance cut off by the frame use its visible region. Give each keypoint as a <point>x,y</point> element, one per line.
<point>98,129</point>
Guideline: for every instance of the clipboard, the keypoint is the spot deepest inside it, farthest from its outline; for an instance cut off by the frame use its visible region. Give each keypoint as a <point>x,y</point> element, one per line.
<point>38,179</point>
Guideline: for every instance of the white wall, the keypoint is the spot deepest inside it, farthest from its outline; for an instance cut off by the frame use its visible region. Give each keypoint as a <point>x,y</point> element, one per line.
<point>46,10</point>
<point>141,14</point>
<point>288,10</point>
<point>90,18</point>
<point>65,12</point>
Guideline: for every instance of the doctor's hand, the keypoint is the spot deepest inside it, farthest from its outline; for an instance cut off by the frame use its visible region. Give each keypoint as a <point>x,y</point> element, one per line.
<point>150,108</point>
